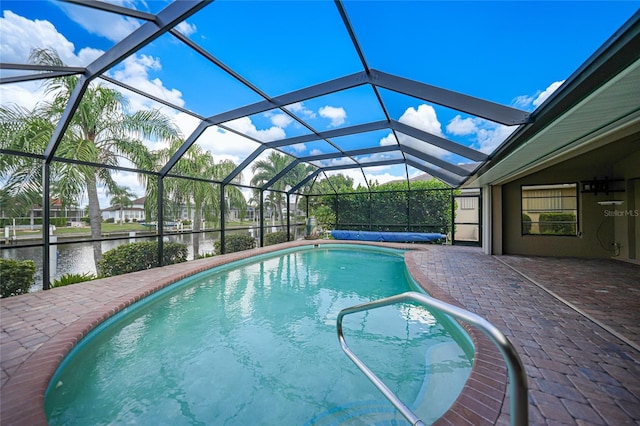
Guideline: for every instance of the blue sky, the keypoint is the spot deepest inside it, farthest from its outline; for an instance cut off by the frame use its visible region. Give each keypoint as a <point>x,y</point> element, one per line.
<point>514,53</point>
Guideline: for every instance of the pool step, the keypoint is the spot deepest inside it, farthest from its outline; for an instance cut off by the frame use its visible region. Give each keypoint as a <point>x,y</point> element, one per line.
<point>369,412</point>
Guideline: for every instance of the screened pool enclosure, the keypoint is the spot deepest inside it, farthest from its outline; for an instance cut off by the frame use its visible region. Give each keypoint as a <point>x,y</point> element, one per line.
<point>190,121</point>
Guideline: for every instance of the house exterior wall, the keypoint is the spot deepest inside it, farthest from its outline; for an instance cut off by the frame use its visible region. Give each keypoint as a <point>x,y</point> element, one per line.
<point>127,213</point>
<point>495,216</point>
<point>601,231</point>
<point>135,211</point>
<point>626,217</point>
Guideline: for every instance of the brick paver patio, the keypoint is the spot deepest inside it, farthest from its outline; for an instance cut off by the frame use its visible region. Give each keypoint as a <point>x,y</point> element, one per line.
<point>578,371</point>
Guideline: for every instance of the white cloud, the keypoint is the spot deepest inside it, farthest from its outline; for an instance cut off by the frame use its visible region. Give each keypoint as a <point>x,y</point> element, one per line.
<point>129,180</point>
<point>486,135</point>
<point>134,71</point>
<point>26,94</point>
<point>299,108</point>
<point>226,145</point>
<point>279,119</point>
<point>186,123</point>
<point>388,140</point>
<point>109,25</point>
<point>19,36</point>
<point>316,152</point>
<point>379,156</point>
<point>337,115</point>
<point>380,174</point>
<point>186,28</point>
<point>491,136</point>
<point>299,147</point>
<point>462,126</point>
<point>374,175</point>
<point>546,93</point>
<point>330,162</point>
<point>245,126</point>
<point>523,102</point>
<point>424,118</point>
<point>530,102</point>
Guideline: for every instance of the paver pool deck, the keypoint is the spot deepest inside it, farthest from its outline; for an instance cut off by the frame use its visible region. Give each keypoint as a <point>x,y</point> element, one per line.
<point>574,322</point>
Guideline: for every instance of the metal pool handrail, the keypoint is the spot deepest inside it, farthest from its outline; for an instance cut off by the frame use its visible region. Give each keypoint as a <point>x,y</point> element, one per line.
<point>517,377</point>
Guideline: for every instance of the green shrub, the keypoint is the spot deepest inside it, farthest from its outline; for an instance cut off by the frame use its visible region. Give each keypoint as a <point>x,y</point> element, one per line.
<point>70,278</point>
<point>8,221</point>
<point>275,238</point>
<point>85,220</point>
<point>109,220</point>
<point>205,255</point>
<point>58,221</point>
<point>326,217</point>
<point>139,256</point>
<point>235,242</point>
<point>554,223</point>
<point>526,224</point>
<point>16,277</point>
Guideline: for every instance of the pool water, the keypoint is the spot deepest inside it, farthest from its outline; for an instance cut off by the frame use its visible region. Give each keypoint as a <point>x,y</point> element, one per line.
<point>255,343</point>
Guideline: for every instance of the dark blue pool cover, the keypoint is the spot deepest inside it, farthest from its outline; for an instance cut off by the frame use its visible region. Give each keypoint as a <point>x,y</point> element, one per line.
<point>386,236</point>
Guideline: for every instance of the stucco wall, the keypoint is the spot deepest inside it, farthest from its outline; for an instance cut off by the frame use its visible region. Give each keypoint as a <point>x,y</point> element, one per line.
<point>599,226</point>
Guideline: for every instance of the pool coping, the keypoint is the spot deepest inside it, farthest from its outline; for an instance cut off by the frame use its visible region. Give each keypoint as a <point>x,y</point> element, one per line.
<point>22,402</point>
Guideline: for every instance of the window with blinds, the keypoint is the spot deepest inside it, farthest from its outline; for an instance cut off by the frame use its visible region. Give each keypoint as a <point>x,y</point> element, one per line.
<point>550,209</point>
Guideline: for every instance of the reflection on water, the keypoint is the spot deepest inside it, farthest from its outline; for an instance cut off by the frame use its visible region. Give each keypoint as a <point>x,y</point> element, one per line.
<point>77,258</point>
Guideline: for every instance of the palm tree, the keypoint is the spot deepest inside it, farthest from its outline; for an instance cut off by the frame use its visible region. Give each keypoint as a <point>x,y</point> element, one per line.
<point>121,198</point>
<point>292,178</point>
<point>101,131</point>
<point>264,171</point>
<point>202,197</point>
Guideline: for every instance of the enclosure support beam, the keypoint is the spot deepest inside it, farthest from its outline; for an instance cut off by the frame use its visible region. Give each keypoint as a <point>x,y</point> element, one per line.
<point>223,210</point>
<point>46,211</point>
<point>288,216</point>
<point>261,218</point>
<point>453,217</point>
<point>475,106</point>
<point>160,222</point>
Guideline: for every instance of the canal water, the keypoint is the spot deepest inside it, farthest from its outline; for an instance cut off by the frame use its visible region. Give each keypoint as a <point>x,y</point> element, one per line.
<point>77,258</point>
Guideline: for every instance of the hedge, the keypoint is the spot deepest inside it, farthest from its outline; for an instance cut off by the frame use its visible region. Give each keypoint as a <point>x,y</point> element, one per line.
<point>139,256</point>
<point>235,242</point>
<point>275,238</point>
<point>389,207</point>
<point>56,221</point>
<point>553,223</point>
<point>526,224</point>
<point>16,277</point>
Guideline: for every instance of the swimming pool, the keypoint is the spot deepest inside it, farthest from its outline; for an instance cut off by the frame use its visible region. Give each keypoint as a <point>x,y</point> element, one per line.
<point>255,342</point>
